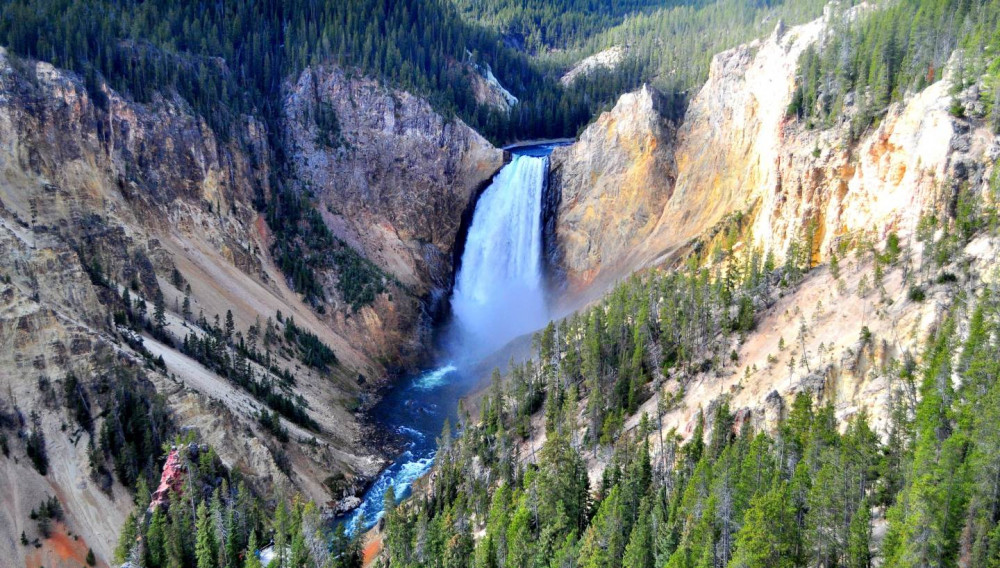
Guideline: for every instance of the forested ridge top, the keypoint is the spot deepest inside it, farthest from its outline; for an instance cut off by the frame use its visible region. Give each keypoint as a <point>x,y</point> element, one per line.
<point>879,58</point>
<point>231,58</point>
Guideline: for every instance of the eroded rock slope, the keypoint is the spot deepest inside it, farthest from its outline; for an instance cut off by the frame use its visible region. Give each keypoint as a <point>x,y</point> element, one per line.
<point>107,204</point>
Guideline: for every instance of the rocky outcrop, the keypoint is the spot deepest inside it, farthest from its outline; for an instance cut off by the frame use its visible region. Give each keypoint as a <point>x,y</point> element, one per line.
<point>730,138</point>
<point>917,157</point>
<point>393,180</point>
<point>488,91</point>
<point>611,186</point>
<point>737,151</point>
<point>607,59</point>
<point>171,480</point>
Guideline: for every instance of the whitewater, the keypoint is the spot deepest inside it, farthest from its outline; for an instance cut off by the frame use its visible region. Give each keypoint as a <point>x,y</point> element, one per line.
<point>499,294</point>
<point>499,291</point>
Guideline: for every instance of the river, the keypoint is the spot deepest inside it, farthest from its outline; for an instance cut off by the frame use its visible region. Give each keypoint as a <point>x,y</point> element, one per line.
<point>498,295</point>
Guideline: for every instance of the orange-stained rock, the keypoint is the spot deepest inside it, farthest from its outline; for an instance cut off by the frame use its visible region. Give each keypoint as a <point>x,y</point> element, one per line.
<point>172,479</point>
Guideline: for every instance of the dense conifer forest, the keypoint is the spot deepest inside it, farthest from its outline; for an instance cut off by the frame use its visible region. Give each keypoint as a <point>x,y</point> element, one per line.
<point>231,58</point>
<point>731,495</point>
<point>212,517</point>
<point>876,60</point>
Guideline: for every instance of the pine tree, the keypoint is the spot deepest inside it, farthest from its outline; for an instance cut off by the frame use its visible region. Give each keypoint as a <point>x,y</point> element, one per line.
<point>640,552</point>
<point>205,547</point>
<point>599,548</point>
<point>251,560</point>
<point>230,326</point>
<point>126,539</point>
<point>827,511</point>
<point>767,538</point>
<point>859,538</point>
<point>36,447</point>
<point>156,538</point>
<point>924,524</point>
<point>520,540</point>
<point>159,311</point>
<point>298,551</point>
<point>282,527</point>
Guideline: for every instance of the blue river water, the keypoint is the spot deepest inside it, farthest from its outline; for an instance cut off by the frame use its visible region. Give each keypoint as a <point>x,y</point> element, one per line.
<point>416,411</point>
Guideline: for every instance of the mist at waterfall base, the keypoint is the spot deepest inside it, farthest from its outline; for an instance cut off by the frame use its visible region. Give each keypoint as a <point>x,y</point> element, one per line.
<point>498,295</point>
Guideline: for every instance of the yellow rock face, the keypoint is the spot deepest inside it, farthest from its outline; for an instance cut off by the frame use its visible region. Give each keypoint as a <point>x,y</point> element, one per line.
<point>635,189</point>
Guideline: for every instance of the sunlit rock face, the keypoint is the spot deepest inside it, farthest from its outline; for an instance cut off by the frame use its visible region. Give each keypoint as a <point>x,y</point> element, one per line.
<point>635,189</point>
<point>611,186</point>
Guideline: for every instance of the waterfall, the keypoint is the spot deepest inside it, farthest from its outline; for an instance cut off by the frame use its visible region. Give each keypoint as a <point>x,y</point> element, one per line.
<point>498,295</point>
<point>499,291</point>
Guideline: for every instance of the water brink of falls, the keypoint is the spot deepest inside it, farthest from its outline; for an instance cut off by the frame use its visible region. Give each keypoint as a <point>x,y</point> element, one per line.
<point>499,291</point>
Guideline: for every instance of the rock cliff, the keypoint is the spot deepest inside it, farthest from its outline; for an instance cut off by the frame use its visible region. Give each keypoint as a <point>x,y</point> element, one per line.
<point>394,181</point>
<point>611,186</point>
<point>607,59</point>
<point>736,151</point>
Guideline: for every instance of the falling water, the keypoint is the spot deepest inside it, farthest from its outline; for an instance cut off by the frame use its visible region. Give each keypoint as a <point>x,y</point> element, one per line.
<point>499,288</point>
<point>498,295</point>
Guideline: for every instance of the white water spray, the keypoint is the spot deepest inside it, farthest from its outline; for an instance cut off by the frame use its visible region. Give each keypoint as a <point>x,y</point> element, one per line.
<point>499,291</point>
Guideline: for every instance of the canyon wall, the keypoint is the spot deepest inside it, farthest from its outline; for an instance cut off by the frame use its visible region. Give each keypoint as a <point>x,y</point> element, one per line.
<point>100,193</point>
<point>393,180</point>
<point>736,150</point>
<point>736,153</point>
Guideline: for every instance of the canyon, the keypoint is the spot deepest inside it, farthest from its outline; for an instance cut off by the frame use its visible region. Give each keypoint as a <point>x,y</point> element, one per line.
<point>147,190</point>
